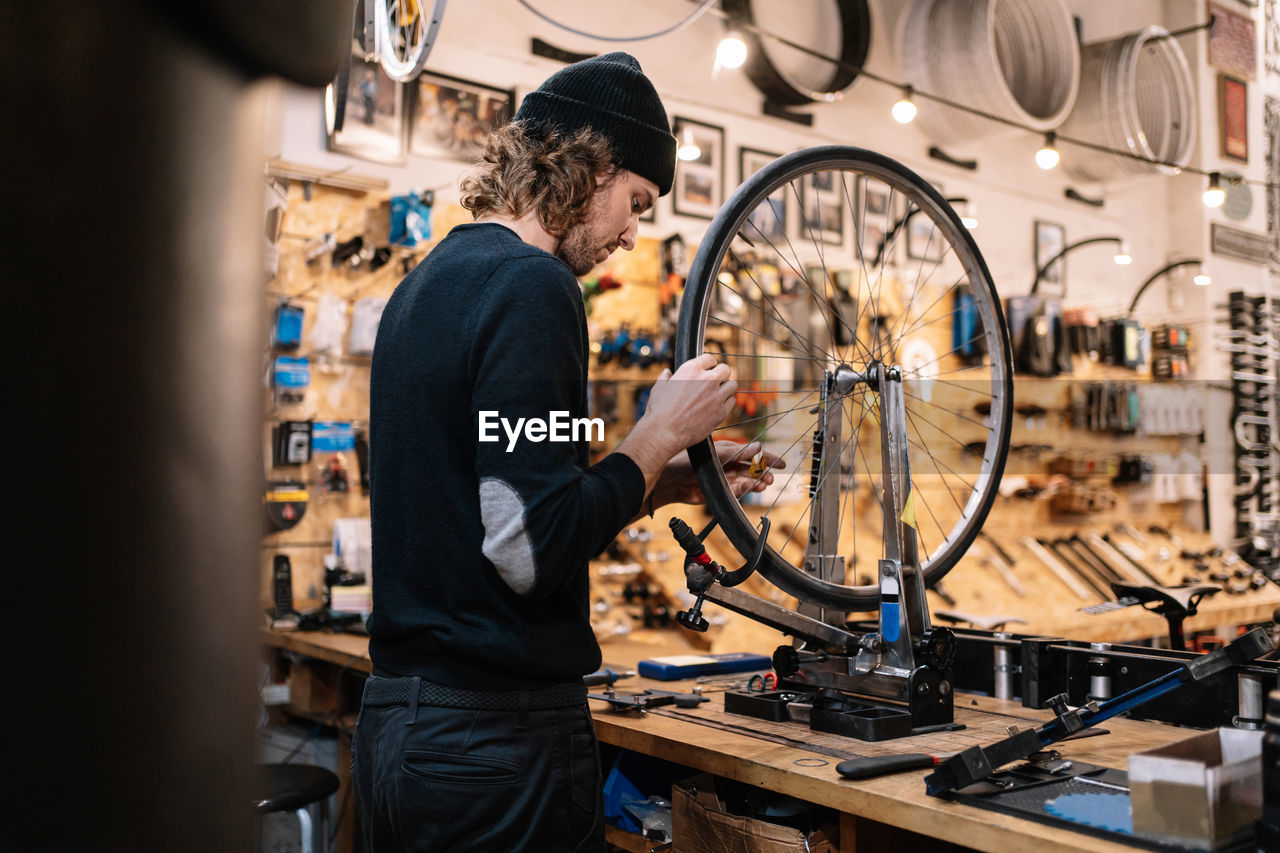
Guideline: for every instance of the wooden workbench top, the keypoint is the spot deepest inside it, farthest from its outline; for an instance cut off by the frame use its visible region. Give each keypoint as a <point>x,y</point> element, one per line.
<point>898,800</point>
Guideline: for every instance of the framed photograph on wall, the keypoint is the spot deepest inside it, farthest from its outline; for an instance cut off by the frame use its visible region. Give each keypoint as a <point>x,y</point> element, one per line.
<point>1233,118</point>
<point>924,241</point>
<point>822,206</point>
<point>1233,42</point>
<point>1271,138</point>
<point>1050,239</point>
<point>452,117</point>
<point>877,218</point>
<point>699,189</point>
<point>768,221</point>
<point>373,115</point>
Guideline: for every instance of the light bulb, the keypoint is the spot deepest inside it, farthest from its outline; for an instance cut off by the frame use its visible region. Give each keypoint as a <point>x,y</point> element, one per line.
<point>1203,279</point>
<point>688,149</point>
<point>1047,157</point>
<point>732,51</point>
<point>904,111</point>
<point>1123,258</point>
<point>1214,195</point>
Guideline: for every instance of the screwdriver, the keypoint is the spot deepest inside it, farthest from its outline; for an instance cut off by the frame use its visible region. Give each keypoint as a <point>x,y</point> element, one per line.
<point>605,676</point>
<point>883,765</point>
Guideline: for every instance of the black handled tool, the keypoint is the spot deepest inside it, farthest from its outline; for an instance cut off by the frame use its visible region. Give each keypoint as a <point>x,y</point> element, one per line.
<point>883,765</point>
<point>605,676</point>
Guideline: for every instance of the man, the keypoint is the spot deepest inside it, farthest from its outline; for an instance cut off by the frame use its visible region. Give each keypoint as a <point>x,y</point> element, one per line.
<point>474,732</point>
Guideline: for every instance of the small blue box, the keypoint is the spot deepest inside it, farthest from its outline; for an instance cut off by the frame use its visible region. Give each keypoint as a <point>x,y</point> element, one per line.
<point>673,667</point>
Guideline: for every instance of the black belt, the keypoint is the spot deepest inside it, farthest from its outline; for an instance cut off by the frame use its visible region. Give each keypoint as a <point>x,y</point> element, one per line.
<point>379,691</point>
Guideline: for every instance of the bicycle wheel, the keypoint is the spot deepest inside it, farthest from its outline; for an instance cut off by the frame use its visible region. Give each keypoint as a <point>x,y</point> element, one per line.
<point>405,34</point>
<point>792,303</point>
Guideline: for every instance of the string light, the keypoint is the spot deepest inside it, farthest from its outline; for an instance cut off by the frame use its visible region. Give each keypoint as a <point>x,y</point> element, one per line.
<point>880,78</point>
<point>1047,157</point>
<point>1203,279</point>
<point>1214,195</point>
<point>732,51</point>
<point>904,111</point>
<point>1122,257</point>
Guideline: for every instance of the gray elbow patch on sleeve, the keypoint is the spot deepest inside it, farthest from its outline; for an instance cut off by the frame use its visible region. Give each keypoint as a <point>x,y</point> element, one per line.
<point>506,541</point>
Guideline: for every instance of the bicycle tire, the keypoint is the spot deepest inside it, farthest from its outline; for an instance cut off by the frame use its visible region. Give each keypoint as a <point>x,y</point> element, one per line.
<point>335,97</point>
<point>728,226</point>
<point>404,44</point>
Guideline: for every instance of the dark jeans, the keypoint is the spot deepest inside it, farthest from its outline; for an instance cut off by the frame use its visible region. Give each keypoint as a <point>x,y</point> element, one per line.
<point>463,780</point>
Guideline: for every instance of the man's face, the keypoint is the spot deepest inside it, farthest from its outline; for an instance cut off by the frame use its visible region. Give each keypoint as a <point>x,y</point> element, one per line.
<point>611,222</point>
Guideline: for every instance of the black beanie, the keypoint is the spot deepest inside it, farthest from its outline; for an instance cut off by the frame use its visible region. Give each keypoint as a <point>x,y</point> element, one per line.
<point>611,95</point>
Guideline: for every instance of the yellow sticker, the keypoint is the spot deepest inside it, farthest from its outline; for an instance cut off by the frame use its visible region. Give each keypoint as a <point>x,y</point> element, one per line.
<point>909,511</point>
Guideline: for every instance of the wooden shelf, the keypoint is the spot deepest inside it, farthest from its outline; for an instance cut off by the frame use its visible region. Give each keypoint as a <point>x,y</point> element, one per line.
<point>337,178</point>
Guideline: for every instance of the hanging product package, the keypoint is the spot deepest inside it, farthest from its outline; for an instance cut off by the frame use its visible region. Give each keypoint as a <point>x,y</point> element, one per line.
<point>364,324</point>
<point>330,326</point>
<point>1040,345</point>
<point>286,332</point>
<point>967,339</point>
<point>290,378</point>
<point>276,202</point>
<point>410,219</point>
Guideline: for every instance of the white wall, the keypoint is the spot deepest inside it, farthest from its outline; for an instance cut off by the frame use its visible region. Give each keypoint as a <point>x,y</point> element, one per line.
<point>1161,217</point>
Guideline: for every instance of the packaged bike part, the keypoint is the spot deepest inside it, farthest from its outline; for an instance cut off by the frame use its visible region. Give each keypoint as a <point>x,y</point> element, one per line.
<point>286,332</point>
<point>286,503</point>
<point>410,219</point>
<point>330,326</point>
<point>276,202</point>
<point>290,377</point>
<point>332,437</point>
<point>292,444</point>
<point>316,247</point>
<point>365,318</point>
<point>333,475</point>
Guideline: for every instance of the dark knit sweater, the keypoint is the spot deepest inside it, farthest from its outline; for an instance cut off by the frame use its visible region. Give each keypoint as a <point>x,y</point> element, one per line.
<point>480,554</point>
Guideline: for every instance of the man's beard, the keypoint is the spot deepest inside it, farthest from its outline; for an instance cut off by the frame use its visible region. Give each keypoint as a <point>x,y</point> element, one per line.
<point>579,248</point>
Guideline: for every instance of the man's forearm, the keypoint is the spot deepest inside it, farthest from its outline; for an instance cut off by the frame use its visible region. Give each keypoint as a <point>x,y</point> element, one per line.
<point>651,447</point>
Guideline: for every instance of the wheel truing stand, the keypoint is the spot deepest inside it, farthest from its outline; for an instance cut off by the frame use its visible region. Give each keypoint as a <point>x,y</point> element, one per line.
<point>874,684</point>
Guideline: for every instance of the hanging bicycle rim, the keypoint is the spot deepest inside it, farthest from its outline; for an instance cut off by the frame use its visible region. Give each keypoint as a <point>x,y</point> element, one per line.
<point>405,33</point>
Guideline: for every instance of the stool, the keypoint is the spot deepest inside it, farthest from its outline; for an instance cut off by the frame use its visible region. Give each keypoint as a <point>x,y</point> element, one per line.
<point>294,787</point>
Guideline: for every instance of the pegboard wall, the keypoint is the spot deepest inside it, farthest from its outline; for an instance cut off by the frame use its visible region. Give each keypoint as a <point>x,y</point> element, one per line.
<point>639,582</point>
<point>307,278</point>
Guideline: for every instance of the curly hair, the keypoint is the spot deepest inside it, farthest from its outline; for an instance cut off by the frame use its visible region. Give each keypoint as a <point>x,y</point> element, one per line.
<point>552,173</point>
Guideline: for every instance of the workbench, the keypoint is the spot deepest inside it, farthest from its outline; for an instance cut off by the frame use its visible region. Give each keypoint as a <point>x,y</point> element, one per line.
<point>873,813</point>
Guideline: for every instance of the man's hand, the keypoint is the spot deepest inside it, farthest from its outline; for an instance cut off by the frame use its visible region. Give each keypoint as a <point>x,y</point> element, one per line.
<point>678,483</point>
<point>685,407</point>
<point>682,410</point>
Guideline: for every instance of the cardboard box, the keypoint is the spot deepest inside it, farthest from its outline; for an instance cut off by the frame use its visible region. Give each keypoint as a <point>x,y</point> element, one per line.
<point>1204,791</point>
<point>699,823</point>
